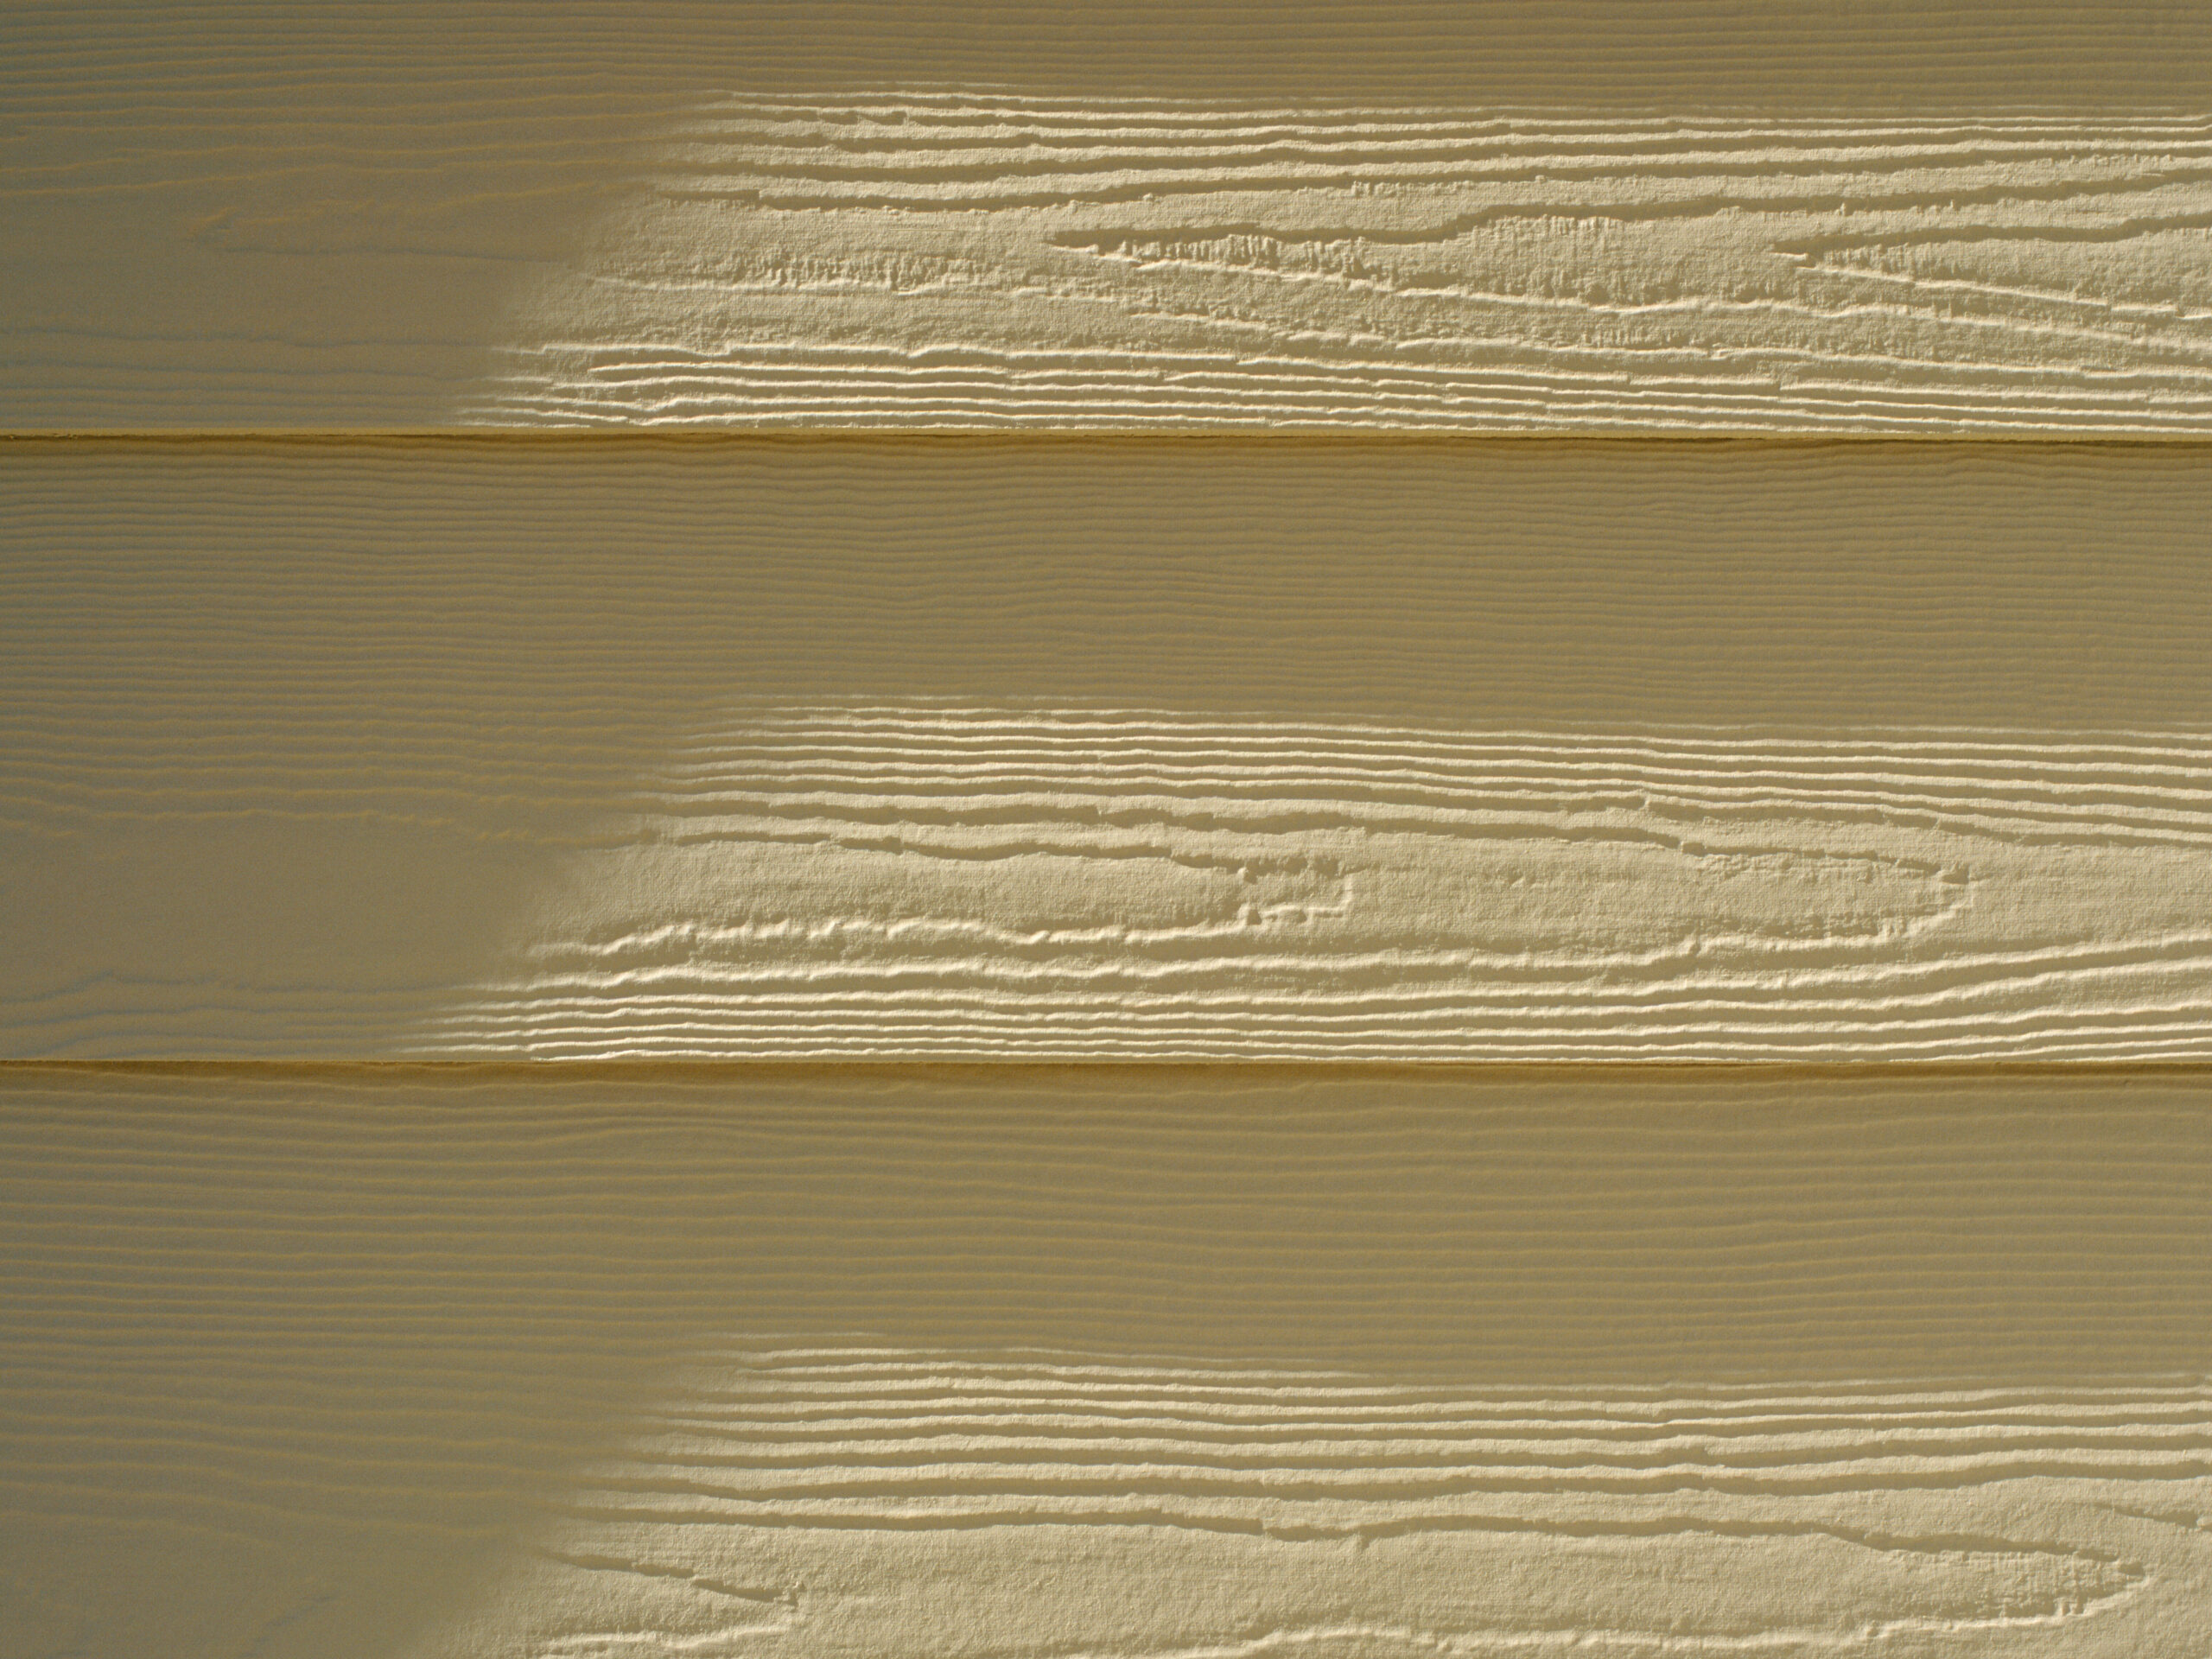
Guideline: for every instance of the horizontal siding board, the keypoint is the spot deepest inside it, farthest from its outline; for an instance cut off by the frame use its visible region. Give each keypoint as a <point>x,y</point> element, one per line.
<point>1682,217</point>
<point>982,748</point>
<point>500,1361</point>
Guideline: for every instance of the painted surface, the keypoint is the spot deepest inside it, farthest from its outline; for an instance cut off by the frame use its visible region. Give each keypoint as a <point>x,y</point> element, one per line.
<point>966,261</point>
<point>489,751</point>
<point>999,749</point>
<point>1690,216</point>
<point>618,1361</point>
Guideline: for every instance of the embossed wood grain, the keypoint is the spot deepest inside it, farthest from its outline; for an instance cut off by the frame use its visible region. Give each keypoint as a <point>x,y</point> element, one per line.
<point>631,1361</point>
<point>1037,748</point>
<point>1690,216</point>
<point>960,260</point>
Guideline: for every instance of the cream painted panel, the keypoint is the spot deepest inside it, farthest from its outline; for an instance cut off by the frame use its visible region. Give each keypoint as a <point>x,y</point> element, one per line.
<point>491,1362</point>
<point>1138,749</point>
<point>1684,216</point>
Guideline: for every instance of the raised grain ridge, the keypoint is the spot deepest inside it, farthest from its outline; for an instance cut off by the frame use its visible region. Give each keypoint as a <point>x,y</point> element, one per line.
<point>958,261</point>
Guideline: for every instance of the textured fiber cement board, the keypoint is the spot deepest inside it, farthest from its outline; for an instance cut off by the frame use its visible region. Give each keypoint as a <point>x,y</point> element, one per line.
<point>400,1363</point>
<point>1662,217</point>
<point>1153,748</point>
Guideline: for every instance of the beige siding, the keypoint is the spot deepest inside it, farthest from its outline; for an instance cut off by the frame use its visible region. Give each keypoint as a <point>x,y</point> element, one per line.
<point>1043,748</point>
<point>357,757</point>
<point>596,1361</point>
<point>1692,217</point>
<point>973,260</point>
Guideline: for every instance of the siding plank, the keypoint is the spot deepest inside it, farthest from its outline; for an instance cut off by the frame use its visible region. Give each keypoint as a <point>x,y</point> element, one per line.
<point>1147,749</point>
<point>1688,216</point>
<point>402,1361</point>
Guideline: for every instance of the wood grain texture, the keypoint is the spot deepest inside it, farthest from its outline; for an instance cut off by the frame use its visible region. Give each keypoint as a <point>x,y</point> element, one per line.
<point>1161,749</point>
<point>587,1362</point>
<point>1694,215</point>
<point>964,261</point>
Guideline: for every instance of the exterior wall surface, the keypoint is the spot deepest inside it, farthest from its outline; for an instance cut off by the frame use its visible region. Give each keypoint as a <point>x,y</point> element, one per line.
<point>1122,830</point>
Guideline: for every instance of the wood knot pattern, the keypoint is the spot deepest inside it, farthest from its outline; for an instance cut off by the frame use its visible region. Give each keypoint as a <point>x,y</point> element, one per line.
<point>982,260</point>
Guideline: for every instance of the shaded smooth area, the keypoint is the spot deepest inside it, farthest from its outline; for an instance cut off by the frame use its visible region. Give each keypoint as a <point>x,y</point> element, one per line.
<point>1795,56</point>
<point>296,1354</point>
<point>547,586</point>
